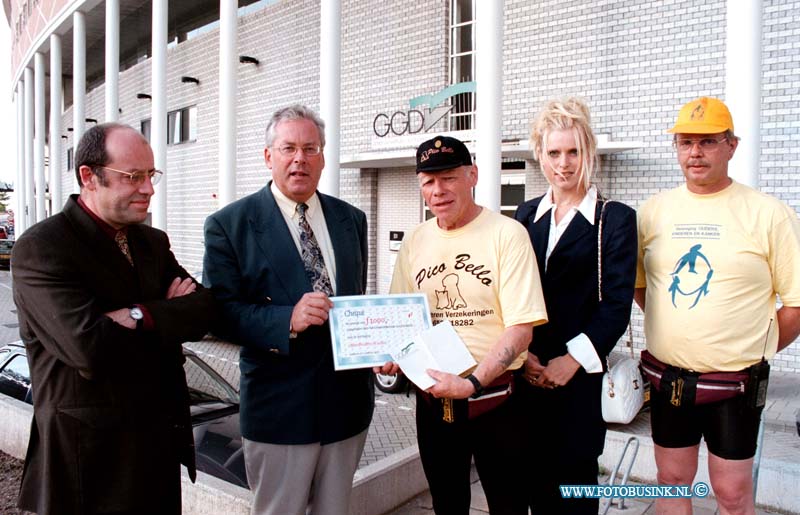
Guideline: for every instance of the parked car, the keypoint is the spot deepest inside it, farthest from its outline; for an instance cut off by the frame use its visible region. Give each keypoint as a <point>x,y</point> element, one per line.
<point>214,410</point>
<point>15,376</point>
<point>6,246</point>
<point>394,383</point>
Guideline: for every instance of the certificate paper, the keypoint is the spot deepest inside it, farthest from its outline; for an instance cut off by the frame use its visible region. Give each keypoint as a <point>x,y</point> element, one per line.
<point>364,328</point>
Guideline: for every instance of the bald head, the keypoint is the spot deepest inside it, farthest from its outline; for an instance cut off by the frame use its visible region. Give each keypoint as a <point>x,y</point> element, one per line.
<point>93,148</point>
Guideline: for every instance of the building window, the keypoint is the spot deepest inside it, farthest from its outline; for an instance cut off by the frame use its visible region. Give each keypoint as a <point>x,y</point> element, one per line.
<point>69,159</point>
<point>512,193</point>
<point>462,62</point>
<point>182,125</point>
<point>145,129</point>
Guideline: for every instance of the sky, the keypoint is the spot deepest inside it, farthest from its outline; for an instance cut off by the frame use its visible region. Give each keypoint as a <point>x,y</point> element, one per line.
<point>8,115</point>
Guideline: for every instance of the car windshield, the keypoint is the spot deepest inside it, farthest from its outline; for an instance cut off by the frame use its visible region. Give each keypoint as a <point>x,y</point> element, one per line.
<point>15,377</point>
<point>205,385</point>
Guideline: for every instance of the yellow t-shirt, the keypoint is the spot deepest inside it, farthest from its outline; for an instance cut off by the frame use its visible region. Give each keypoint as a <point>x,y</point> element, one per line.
<point>712,265</point>
<point>482,277</point>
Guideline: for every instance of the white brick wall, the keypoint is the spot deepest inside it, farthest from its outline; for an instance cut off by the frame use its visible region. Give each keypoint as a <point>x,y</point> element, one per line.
<point>282,77</point>
<point>400,209</point>
<point>388,57</point>
<point>634,62</point>
<point>392,51</point>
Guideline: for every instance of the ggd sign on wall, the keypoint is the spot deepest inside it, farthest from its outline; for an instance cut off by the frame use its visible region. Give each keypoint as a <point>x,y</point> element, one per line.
<point>414,120</point>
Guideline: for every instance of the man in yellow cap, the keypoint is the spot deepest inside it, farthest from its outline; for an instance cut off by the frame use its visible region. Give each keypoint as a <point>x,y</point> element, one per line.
<point>708,274</point>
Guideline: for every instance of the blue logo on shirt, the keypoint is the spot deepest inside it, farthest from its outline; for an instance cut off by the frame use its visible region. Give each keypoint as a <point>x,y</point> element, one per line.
<point>691,276</point>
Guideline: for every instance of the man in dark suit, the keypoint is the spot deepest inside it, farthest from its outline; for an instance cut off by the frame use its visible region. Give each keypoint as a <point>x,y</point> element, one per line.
<point>272,260</point>
<point>103,310</point>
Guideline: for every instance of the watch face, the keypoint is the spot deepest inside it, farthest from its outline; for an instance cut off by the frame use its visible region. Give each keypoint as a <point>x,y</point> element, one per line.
<point>136,314</point>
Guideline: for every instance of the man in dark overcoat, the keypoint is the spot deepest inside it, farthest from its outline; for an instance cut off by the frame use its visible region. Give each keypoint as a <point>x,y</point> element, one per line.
<point>103,309</point>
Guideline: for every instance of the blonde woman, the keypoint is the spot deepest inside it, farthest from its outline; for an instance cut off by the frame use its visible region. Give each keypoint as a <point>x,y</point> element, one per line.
<point>563,373</point>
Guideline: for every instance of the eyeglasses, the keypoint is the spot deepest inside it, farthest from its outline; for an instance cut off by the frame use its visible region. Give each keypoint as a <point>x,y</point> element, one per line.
<point>291,150</point>
<point>707,144</point>
<point>137,178</point>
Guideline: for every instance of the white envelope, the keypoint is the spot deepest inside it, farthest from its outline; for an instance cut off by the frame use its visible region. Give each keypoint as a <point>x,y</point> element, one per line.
<point>438,348</point>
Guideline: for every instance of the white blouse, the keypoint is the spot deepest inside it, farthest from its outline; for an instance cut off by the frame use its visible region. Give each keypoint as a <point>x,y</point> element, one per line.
<point>580,347</point>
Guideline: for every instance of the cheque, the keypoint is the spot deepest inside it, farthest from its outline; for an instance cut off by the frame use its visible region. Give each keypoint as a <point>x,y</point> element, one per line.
<point>364,328</point>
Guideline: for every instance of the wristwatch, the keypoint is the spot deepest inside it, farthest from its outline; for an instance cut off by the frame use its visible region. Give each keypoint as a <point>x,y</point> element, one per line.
<point>137,315</point>
<point>477,384</point>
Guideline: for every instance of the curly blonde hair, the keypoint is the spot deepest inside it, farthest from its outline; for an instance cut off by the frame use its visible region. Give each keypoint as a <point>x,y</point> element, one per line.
<point>567,114</point>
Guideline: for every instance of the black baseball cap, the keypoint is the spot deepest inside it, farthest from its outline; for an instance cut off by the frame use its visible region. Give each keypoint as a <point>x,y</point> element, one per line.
<point>442,153</point>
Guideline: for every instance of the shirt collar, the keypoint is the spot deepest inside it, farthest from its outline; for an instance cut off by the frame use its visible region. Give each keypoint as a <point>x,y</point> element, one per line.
<point>289,207</point>
<point>586,207</point>
<point>110,231</point>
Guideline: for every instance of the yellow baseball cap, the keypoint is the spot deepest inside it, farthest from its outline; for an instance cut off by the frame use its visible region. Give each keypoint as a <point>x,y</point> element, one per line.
<point>703,116</point>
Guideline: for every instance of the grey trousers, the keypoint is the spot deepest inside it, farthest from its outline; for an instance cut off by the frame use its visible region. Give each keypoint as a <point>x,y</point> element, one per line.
<point>302,479</point>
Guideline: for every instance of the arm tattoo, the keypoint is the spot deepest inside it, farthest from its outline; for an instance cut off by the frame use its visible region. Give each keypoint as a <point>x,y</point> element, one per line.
<point>507,356</point>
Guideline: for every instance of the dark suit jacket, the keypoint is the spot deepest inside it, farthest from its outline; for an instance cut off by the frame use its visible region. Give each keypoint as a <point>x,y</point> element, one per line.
<point>111,412</point>
<point>570,292</point>
<point>290,393</point>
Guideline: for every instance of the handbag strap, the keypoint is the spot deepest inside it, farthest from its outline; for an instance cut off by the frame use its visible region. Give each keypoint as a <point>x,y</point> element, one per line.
<point>603,205</point>
<point>630,340</point>
<point>630,347</point>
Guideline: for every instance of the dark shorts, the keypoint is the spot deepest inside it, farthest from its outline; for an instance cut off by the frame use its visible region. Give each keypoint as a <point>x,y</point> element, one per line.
<point>729,427</point>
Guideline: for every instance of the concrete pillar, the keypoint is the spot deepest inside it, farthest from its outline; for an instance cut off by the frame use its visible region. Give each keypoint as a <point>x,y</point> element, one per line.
<point>158,127</point>
<point>78,81</point>
<point>489,111</point>
<point>30,205</point>
<point>112,60</point>
<point>56,100</point>
<point>228,68</point>
<point>40,136</point>
<point>19,187</point>
<point>329,91</point>
<point>743,86</point>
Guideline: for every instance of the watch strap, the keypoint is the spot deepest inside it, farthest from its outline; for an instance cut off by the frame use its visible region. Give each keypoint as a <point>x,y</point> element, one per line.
<point>477,384</point>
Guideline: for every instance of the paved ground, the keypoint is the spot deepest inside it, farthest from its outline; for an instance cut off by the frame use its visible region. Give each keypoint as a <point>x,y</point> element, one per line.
<point>8,312</point>
<point>10,477</point>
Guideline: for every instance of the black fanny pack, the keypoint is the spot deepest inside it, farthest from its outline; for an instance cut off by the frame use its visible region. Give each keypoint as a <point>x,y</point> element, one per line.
<point>687,388</point>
